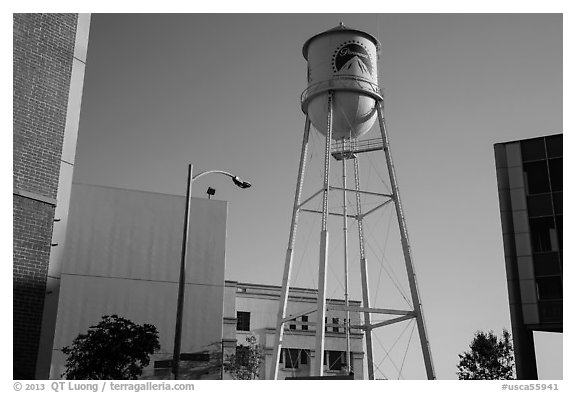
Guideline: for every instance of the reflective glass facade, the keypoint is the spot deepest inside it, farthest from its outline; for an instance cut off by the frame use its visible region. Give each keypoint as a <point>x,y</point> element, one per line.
<point>529,174</point>
<point>542,167</point>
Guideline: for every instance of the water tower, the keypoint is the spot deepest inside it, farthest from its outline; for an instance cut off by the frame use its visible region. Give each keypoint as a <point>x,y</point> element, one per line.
<point>343,101</point>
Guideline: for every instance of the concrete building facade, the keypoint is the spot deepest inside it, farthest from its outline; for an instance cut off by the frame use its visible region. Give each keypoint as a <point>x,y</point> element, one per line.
<point>49,57</point>
<point>122,256</point>
<point>530,185</point>
<point>251,310</point>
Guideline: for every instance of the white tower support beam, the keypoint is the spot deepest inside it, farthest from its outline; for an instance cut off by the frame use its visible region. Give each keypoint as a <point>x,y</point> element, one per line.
<point>318,367</point>
<point>289,253</point>
<point>406,250</point>
<point>345,235</point>
<point>364,275</point>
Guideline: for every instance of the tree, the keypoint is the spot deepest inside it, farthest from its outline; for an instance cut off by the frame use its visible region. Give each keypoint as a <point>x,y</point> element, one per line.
<point>246,362</point>
<point>489,357</point>
<point>116,348</point>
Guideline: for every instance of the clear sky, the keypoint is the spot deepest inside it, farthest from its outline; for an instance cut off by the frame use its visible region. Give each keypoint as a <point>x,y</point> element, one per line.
<point>222,91</point>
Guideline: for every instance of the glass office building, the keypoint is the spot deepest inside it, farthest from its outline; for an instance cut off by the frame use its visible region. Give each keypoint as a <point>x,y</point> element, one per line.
<point>529,174</point>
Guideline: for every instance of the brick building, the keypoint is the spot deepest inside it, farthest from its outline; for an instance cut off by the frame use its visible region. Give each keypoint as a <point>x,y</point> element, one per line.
<point>49,56</point>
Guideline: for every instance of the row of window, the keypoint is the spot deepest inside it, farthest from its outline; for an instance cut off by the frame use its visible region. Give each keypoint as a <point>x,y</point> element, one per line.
<point>548,204</point>
<point>546,233</point>
<point>303,326</point>
<point>541,148</point>
<point>543,172</point>
<point>243,323</point>
<point>549,288</point>
<point>294,357</point>
<point>550,311</point>
<point>543,176</point>
<point>547,264</point>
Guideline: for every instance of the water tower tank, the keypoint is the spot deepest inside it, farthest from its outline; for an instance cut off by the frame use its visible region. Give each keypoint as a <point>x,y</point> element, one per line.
<point>344,61</point>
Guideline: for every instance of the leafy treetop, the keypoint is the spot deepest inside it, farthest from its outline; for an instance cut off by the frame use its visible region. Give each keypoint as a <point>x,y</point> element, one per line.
<point>116,348</point>
<point>489,357</point>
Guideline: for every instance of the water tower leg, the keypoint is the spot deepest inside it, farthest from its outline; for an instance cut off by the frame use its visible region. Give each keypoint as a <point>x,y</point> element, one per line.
<point>345,238</point>
<point>321,302</point>
<point>364,275</point>
<point>406,249</point>
<point>288,260</point>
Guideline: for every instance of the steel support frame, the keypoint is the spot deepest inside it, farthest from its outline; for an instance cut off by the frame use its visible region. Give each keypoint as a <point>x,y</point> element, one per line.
<point>403,315</point>
<point>332,214</point>
<point>373,310</point>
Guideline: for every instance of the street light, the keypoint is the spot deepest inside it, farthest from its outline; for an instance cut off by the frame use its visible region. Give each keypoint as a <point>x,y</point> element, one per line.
<point>181,283</point>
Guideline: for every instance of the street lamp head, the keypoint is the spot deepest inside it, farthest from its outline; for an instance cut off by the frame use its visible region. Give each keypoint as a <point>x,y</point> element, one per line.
<point>241,183</point>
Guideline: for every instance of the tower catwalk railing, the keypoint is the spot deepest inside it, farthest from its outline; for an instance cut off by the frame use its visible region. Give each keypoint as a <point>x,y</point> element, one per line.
<point>349,148</point>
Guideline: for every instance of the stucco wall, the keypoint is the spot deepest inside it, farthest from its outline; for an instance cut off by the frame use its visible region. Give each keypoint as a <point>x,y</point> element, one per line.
<point>122,257</point>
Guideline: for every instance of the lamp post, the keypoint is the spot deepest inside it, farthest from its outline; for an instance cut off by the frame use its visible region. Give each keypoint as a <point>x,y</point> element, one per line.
<point>181,283</point>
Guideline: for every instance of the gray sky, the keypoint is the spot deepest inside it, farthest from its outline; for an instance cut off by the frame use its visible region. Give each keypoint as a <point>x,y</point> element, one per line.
<point>223,92</point>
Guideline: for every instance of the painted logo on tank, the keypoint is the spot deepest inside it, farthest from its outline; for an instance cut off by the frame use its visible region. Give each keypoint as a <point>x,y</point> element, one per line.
<point>352,57</point>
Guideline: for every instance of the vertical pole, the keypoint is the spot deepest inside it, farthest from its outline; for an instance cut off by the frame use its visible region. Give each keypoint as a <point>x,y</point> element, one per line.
<point>406,250</point>
<point>345,229</point>
<point>321,301</point>
<point>364,275</point>
<point>182,280</point>
<point>288,260</point>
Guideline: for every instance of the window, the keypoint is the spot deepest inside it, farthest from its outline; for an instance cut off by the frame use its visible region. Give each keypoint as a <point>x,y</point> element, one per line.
<point>291,357</point>
<point>557,197</point>
<point>554,145</point>
<point>335,329</point>
<point>556,174</point>
<point>543,234</point>
<point>559,231</point>
<point>550,311</point>
<point>533,149</point>
<point>336,360</point>
<point>546,264</point>
<point>304,319</point>
<point>539,205</point>
<point>536,177</point>
<point>292,325</point>
<point>243,321</point>
<point>549,288</point>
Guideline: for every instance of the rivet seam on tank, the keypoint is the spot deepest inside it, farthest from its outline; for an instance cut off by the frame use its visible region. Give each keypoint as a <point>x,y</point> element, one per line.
<point>346,52</point>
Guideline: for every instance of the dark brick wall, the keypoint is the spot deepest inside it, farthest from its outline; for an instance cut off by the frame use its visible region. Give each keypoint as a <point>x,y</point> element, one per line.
<point>32,234</point>
<point>43,53</point>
